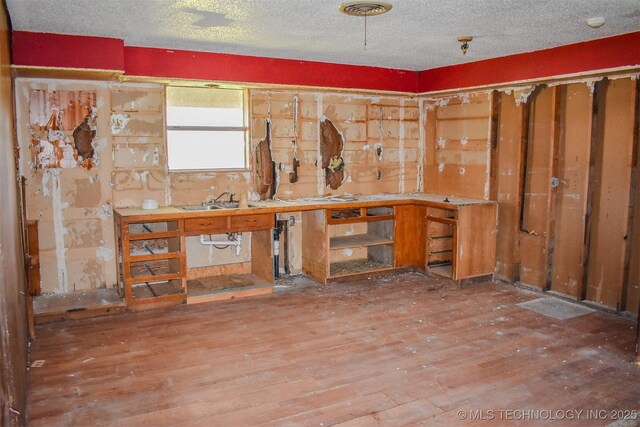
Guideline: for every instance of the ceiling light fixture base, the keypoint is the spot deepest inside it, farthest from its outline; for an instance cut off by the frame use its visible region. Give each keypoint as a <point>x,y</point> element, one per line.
<point>465,43</point>
<point>364,8</point>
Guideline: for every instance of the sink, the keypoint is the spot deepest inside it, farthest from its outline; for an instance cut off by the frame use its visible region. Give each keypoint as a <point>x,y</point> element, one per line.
<point>200,207</point>
<point>224,205</point>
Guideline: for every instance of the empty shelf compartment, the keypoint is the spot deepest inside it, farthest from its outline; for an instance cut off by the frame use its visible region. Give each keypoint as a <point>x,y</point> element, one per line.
<point>358,240</point>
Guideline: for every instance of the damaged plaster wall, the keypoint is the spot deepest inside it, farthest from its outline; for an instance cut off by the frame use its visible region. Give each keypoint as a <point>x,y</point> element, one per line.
<point>73,206</point>
<point>380,140</point>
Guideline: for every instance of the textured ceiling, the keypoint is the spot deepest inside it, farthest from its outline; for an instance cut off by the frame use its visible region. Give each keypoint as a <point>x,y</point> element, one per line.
<point>414,35</point>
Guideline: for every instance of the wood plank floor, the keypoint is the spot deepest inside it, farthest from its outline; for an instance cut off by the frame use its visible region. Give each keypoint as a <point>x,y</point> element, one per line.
<point>398,350</point>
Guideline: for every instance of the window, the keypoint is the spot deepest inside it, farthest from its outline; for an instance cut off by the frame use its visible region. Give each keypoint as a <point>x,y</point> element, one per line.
<point>205,128</point>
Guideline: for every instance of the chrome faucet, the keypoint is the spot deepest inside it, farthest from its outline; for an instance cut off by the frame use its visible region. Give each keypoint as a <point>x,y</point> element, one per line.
<point>218,198</point>
<point>210,200</point>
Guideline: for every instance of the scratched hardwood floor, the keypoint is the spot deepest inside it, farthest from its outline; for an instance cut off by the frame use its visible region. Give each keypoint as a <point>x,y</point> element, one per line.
<point>399,350</point>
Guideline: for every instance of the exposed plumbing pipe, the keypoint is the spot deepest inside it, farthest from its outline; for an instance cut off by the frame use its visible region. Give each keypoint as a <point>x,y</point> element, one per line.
<point>233,240</point>
<point>276,249</point>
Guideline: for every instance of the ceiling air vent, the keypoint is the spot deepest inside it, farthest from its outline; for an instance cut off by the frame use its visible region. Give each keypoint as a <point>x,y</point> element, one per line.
<point>364,8</point>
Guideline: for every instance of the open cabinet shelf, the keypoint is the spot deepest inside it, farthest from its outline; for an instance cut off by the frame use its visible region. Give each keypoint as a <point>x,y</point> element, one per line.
<point>345,242</point>
<point>151,261</point>
<point>358,240</point>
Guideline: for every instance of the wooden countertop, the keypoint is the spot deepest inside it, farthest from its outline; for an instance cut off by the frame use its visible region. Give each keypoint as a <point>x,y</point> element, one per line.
<point>305,204</point>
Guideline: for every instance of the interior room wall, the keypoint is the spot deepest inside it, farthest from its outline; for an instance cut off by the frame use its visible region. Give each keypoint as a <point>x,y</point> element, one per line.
<point>457,135</point>
<point>564,171</point>
<point>13,323</point>
<point>380,147</point>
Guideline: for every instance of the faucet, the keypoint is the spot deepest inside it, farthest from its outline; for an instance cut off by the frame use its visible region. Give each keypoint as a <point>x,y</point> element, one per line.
<point>218,198</point>
<point>212,201</point>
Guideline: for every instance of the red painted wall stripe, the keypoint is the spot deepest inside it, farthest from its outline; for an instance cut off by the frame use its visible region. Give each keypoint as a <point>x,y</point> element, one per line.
<point>600,54</point>
<point>67,51</point>
<point>153,62</point>
<point>101,53</point>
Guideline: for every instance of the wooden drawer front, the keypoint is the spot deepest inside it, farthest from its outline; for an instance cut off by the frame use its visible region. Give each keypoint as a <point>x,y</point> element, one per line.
<point>211,225</point>
<point>252,222</point>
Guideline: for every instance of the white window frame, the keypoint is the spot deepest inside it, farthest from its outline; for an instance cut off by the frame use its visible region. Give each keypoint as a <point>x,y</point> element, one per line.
<point>244,128</point>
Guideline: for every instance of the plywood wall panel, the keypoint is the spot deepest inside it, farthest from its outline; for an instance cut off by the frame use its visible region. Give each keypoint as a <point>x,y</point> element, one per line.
<point>534,239</point>
<point>13,320</point>
<point>611,194</point>
<point>508,186</point>
<point>633,286</point>
<point>571,197</point>
<point>632,300</point>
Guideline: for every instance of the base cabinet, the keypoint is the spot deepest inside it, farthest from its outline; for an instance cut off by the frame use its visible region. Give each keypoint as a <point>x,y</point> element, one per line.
<point>152,265</point>
<point>461,242</point>
<point>151,261</point>
<point>454,241</point>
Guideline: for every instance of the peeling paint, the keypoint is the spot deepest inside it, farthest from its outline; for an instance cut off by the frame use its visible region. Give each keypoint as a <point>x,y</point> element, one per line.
<point>522,95</point>
<point>119,122</point>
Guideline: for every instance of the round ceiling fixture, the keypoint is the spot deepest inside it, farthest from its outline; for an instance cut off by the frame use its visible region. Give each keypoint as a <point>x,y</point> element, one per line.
<point>364,8</point>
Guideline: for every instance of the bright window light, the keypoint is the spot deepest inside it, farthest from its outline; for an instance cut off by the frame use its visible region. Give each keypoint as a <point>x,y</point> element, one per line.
<point>205,129</point>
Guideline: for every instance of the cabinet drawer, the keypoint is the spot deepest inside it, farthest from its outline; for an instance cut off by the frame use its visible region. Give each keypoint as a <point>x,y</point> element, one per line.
<point>252,222</point>
<point>210,225</point>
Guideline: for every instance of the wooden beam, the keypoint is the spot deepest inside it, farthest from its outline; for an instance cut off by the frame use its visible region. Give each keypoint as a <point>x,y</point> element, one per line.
<point>558,133</point>
<point>610,211</point>
<point>598,115</point>
<point>571,195</point>
<point>631,281</point>
<point>493,141</point>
